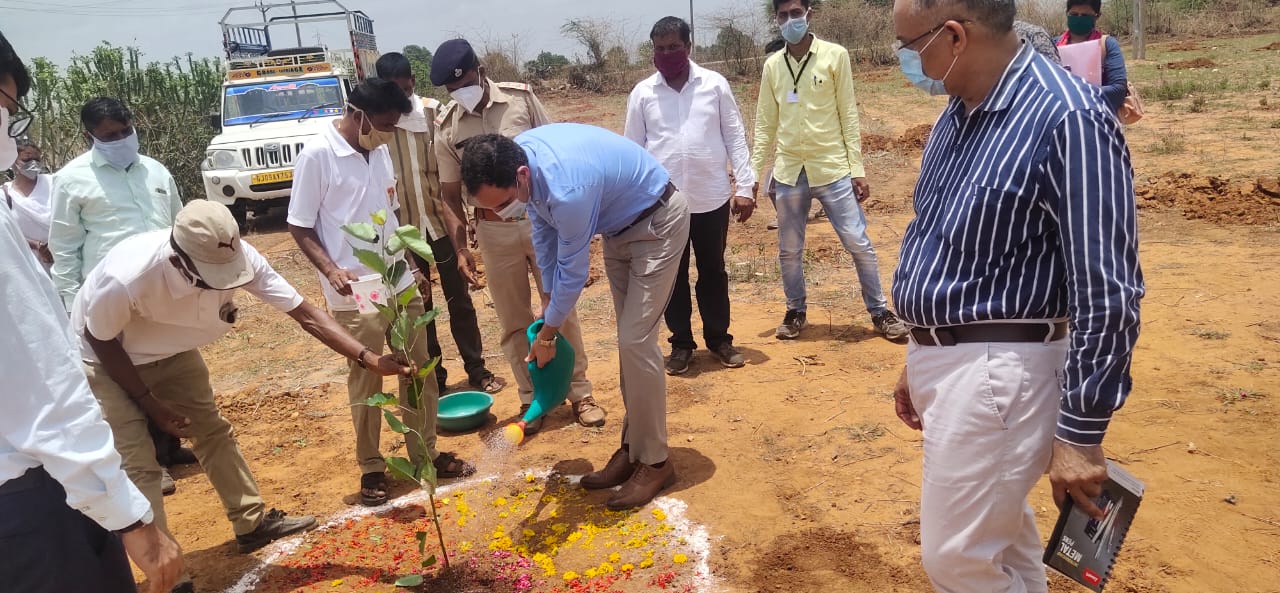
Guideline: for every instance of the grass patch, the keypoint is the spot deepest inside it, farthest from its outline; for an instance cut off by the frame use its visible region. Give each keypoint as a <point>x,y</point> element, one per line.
<point>1170,144</point>
<point>1237,395</point>
<point>1210,334</point>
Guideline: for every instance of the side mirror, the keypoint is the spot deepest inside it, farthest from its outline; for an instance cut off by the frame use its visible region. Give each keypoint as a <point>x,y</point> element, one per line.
<point>215,121</point>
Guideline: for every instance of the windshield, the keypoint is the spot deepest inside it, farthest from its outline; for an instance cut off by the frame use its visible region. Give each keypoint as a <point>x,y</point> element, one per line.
<point>250,103</point>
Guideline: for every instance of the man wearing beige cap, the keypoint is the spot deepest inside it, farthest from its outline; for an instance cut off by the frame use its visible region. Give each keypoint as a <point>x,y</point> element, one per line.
<point>145,310</point>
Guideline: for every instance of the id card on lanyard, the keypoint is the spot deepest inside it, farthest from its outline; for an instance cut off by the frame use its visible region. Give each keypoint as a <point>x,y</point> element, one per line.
<point>794,95</point>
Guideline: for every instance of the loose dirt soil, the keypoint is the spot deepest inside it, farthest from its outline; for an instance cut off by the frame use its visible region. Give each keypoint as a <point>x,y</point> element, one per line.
<point>1188,64</point>
<point>796,464</point>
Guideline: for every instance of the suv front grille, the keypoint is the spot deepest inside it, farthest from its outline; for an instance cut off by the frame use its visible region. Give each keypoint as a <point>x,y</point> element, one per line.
<point>260,158</point>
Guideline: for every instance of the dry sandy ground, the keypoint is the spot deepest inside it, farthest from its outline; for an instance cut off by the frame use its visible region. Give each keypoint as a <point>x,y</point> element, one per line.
<point>796,463</point>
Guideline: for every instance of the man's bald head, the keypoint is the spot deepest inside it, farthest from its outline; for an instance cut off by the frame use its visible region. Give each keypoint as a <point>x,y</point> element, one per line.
<point>996,15</point>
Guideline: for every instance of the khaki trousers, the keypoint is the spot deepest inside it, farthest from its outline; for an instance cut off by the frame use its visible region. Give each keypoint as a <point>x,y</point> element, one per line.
<point>641,264</point>
<point>507,248</point>
<point>182,382</point>
<point>371,330</point>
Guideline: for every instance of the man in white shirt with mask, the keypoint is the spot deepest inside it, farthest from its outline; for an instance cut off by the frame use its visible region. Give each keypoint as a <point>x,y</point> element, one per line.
<point>27,196</point>
<point>100,198</point>
<point>686,117</point>
<point>69,511</point>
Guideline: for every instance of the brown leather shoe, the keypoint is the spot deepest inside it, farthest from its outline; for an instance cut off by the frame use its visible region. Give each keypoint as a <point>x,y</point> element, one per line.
<point>645,483</point>
<point>617,471</point>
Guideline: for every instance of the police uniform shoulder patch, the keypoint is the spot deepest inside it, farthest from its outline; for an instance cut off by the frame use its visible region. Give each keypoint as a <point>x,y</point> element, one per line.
<point>515,86</point>
<point>445,113</point>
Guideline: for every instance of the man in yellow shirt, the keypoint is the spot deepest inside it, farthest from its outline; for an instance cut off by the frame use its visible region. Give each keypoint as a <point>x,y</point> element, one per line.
<point>807,107</point>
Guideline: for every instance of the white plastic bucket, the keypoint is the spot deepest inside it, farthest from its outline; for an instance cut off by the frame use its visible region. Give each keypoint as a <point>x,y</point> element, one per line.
<point>367,291</point>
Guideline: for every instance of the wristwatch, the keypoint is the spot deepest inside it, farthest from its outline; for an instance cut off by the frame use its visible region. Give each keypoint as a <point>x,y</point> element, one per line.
<point>360,357</point>
<point>550,343</point>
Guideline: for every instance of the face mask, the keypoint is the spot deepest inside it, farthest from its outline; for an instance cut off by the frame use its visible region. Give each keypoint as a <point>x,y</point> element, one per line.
<point>469,97</point>
<point>30,169</point>
<point>8,146</point>
<point>913,68</point>
<point>672,64</point>
<point>416,120</point>
<point>120,153</point>
<point>371,140</point>
<point>515,208</point>
<point>794,30</point>
<point>1081,24</point>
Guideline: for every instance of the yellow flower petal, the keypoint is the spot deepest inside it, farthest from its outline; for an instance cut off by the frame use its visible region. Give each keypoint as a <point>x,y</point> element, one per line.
<point>679,558</point>
<point>570,575</point>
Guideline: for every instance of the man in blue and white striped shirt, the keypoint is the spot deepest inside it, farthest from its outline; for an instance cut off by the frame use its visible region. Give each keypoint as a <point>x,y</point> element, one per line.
<point>1025,226</point>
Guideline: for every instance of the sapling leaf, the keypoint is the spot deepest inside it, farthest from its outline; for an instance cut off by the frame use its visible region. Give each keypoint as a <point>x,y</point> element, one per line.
<point>394,245</point>
<point>399,333</point>
<point>429,562</point>
<point>408,295</point>
<point>426,318</point>
<point>380,399</point>
<point>421,536</point>
<point>412,580</point>
<point>401,468</point>
<point>412,238</point>
<point>395,423</point>
<point>397,271</point>
<point>362,231</point>
<point>371,260</point>
<point>415,395</point>
<point>379,217</point>
<point>427,475</point>
<point>431,366</point>
<point>387,312</point>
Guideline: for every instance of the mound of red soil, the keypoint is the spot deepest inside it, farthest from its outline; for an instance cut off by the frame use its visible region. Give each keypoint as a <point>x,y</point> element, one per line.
<point>1271,47</point>
<point>1189,64</point>
<point>913,140</point>
<point>1214,199</point>
<point>1185,46</point>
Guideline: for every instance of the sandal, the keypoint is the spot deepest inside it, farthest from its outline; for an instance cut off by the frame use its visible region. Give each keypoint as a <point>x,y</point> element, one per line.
<point>448,466</point>
<point>373,489</point>
<point>490,384</point>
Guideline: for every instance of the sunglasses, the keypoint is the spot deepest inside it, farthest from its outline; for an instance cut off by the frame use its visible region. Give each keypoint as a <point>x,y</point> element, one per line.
<point>20,121</point>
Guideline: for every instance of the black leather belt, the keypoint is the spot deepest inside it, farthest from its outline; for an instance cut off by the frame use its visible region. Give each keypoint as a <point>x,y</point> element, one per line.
<point>951,335</point>
<point>647,212</point>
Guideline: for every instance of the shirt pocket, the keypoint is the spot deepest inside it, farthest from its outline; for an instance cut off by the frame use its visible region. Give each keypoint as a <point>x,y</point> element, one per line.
<point>981,220</point>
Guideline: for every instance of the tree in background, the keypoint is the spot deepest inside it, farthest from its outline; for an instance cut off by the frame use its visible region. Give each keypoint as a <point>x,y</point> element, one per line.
<point>420,60</point>
<point>170,101</point>
<point>546,65</point>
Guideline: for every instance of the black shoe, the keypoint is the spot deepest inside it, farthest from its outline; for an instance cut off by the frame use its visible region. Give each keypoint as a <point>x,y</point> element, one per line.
<point>888,324</point>
<point>792,324</point>
<point>273,527</point>
<point>184,587</point>
<point>167,485</point>
<point>182,456</point>
<point>729,356</point>
<point>678,362</point>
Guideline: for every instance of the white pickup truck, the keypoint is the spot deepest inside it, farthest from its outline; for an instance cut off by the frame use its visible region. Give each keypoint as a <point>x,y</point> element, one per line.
<point>275,100</point>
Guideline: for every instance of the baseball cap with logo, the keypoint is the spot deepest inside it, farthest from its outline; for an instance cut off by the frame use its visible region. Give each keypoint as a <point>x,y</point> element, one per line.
<point>208,234</point>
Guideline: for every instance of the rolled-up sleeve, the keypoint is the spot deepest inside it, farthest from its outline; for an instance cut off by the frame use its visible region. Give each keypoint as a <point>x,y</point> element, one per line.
<point>1091,179</point>
<point>572,246</point>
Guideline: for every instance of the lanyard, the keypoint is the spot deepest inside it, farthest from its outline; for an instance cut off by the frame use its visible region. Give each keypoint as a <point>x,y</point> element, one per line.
<point>795,76</point>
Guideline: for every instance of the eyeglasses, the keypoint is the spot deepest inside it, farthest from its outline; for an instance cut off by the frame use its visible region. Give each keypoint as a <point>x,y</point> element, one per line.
<point>20,121</point>
<point>897,45</point>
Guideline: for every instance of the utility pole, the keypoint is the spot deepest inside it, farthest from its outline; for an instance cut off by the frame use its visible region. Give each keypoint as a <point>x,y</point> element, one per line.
<point>297,29</point>
<point>1139,30</point>
<point>692,46</point>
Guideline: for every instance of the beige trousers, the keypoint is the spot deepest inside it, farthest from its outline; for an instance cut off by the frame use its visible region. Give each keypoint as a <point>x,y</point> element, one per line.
<point>182,382</point>
<point>507,248</point>
<point>371,330</point>
<point>641,264</point>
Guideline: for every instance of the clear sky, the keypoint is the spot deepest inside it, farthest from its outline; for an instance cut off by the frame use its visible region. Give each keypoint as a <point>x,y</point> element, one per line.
<point>57,29</point>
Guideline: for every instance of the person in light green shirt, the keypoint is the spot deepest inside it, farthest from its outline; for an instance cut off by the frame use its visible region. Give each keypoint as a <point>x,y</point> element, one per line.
<point>104,196</point>
<point>807,107</point>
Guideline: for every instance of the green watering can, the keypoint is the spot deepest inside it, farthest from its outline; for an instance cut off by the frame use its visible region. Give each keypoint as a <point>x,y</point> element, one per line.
<point>550,383</point>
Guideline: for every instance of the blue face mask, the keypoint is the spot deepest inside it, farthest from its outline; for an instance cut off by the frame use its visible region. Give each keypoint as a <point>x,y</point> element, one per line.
<point>794,30</point>
<point>913,68</point>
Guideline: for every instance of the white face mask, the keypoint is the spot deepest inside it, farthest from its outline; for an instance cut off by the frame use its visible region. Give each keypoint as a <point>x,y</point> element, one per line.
<point>469,97</point>
<point>416,120</point>
<point>516,208</point>
<point>120,153</point>
<point>8,146</point>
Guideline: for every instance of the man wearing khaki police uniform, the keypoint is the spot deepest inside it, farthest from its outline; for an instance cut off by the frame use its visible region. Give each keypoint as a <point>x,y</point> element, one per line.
<point>481,106</point>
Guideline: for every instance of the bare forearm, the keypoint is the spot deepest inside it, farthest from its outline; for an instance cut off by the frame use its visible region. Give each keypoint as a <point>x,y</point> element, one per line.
<point>309,242</point>
<point>455,215</point>
<point>327,330</point>
<point>119,366</point>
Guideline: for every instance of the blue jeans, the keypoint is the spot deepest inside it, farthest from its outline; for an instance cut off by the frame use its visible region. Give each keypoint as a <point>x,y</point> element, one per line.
<point>850,224</point>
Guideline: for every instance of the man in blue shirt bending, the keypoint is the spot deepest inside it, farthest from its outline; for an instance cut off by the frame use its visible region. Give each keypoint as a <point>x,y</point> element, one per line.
<point>574,182</point>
